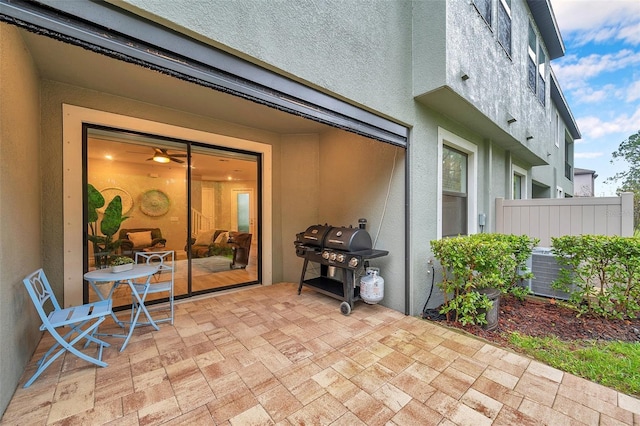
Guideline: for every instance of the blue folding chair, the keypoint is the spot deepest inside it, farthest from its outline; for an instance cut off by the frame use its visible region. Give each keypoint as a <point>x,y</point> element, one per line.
<point>161,283</point>
<point>82,320</point>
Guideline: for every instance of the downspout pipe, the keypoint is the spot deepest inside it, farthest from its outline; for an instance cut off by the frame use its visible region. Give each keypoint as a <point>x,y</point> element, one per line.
<point>407,227</point>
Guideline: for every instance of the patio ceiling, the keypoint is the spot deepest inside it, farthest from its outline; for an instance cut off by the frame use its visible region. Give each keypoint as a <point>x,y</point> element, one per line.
<point>68,64</point>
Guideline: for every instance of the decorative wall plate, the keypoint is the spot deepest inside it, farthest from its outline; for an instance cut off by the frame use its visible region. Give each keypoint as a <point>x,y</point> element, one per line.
<point>154,203</point>
<point>110,193</point>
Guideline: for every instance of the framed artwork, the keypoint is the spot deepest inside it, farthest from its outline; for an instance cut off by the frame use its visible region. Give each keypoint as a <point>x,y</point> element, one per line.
<point>154,203</point>
<point>110,193</point>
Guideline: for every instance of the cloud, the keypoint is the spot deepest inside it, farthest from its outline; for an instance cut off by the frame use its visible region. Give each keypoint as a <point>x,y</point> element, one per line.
<point>574,71</point>
<point>614,20</point>
<point>588,155</point>
<point>594,127</point>
<point>589,95</point>
<point>633,91</point>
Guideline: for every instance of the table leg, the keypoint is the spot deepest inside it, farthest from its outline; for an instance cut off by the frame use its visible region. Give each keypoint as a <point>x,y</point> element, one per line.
<point>101,297</point>
<point>136,308</point>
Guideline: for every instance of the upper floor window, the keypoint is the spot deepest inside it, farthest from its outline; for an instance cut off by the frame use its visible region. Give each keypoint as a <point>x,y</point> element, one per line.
<point>557,131</point>
<point>568,158</point>
<point>484,8</point>
<point>541,72</point>
<point>504,25</point>
<point>533,59</point>
<point>536,66</point>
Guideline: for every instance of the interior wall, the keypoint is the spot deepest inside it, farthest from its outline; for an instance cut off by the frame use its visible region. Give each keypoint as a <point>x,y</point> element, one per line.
<point>223,196</point>
<point>355,173</point>
<point>136,179</point>
<point>20,208</point>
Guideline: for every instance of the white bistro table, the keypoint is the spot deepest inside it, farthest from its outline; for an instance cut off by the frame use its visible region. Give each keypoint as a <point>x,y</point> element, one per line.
<point>138,271</point>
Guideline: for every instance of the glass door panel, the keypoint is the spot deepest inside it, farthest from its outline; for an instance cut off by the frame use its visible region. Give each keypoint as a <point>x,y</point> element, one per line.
<point>149,176</point>
<point>224,249</point>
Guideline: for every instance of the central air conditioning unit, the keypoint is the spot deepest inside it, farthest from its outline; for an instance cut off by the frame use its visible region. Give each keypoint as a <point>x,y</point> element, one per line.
<point>546,270</point>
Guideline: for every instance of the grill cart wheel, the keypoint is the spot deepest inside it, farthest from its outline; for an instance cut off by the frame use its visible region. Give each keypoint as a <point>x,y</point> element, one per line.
<point>345,308</point>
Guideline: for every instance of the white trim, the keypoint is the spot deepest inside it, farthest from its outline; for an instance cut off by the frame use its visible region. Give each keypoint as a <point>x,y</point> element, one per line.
<point>445,137</point>
<point>524,185</point>
<point>73,118</point>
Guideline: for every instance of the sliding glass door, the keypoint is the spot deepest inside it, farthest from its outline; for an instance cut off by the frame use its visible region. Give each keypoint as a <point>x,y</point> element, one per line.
<point>171,195</point>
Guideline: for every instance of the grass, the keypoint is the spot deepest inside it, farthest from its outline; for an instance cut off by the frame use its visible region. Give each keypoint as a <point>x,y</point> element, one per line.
<point>612,364</point>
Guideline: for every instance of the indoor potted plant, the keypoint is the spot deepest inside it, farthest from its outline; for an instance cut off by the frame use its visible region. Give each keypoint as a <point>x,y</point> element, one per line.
<point>121,263</point>
<point>104,246</point>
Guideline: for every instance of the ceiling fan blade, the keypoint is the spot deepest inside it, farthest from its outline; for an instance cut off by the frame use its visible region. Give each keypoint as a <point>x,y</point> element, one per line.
<point>176,160</point>
<point>177,155</point>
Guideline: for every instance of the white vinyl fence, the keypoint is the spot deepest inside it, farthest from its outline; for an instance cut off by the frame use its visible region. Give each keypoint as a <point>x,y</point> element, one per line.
<point>544,218</point>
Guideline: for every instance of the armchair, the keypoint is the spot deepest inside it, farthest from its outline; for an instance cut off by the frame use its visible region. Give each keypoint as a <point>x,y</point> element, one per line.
<point>219,242</point>
<point>133,240</point>
<point>210,243</point>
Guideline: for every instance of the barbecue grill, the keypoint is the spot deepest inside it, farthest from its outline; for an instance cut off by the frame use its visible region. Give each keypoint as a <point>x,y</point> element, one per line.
<point>342,253</point>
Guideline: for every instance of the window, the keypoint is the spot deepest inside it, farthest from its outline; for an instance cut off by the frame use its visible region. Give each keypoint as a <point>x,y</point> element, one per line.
<point>541,72</point>
<point>504,25</point>
<point>568,158</point>
<point>457,183</point>
<point>536,67</point>
<point>533,60</point>
<point>519,191</point>
<point>557,131</point>
<point>454,192</point>
<point>484,9</point>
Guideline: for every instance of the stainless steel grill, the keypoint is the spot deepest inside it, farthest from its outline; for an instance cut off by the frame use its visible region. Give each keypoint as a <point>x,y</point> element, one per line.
<point>341,253</point>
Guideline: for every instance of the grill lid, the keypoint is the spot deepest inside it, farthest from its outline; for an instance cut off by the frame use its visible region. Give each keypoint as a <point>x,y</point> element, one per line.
<point>348,239</point>
<point>314,235</point>
<point>336,238</point>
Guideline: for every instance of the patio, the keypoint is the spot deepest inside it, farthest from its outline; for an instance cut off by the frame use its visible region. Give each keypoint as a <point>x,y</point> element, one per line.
<point>265,355</point>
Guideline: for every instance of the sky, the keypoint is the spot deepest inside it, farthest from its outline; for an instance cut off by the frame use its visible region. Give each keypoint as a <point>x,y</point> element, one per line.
<point>600,78</point>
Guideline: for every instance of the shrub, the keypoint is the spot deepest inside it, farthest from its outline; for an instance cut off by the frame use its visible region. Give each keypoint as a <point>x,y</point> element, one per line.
<point>474,262</point>
<point>601,274</point>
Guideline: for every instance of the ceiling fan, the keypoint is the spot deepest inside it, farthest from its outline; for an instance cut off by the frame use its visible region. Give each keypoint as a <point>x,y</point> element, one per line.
<point>161,155</point>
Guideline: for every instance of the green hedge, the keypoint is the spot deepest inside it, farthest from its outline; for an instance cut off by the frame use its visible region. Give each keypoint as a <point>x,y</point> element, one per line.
<point>470,263</point>
<point>601,274</point>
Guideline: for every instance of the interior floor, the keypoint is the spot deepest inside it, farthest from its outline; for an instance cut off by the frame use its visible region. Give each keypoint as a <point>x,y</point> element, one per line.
<point>201,280</point>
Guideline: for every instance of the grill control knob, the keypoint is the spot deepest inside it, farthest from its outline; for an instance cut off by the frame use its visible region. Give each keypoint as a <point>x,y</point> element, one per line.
<point>333,256</point>
<point>325,255</point>
<point>353,262</point>
<point>341,257</point>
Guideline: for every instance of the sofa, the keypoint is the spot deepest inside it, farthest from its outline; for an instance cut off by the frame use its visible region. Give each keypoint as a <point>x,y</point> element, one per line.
<point>133,240</point>
<point>220,242</point>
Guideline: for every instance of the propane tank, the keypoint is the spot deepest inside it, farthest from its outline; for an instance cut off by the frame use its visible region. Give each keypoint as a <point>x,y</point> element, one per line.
<point>372,286</point>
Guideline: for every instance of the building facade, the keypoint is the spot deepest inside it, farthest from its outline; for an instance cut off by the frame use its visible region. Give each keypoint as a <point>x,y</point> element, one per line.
<point>415,115</point>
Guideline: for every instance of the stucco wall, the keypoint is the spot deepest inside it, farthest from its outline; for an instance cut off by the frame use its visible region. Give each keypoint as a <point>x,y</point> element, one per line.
<point>20,207</point>
<point>300,181</point>
<point>55,94</point>
<point>355,174</point>
<point>358,50</point>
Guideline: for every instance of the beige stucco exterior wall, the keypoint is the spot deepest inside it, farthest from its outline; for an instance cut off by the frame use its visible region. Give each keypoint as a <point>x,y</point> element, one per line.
<point>55,94</point>
<point>20,207</point>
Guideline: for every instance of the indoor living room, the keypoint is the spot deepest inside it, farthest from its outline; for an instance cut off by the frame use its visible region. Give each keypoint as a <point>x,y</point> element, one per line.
<point>180,197</point>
